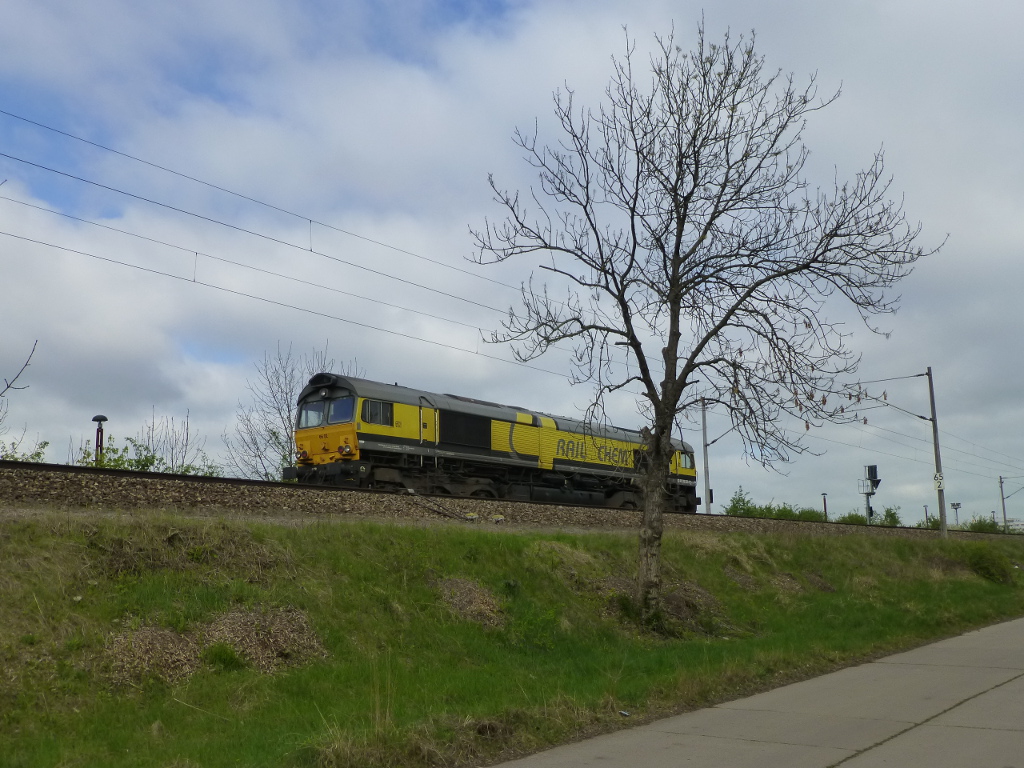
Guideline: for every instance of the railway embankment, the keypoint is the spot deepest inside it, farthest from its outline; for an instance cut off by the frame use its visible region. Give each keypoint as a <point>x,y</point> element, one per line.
<point>158,621</point>
<point>83,488</point>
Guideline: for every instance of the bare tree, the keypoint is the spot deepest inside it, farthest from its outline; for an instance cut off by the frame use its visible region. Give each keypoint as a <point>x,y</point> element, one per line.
<point>11,384</point>
<point>13,451</point>
<point>696,258</point>
<point>178,448</point>
<point>261,443</point>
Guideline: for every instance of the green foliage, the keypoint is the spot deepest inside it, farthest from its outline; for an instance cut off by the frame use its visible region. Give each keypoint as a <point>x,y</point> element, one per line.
<point>890,517</point>
<point>976,524</point>
<point>223,657</point>
<point>137,456</point>
<point>853,518</point>
<point>741,505</point>
<point>989,563</point>
<point>983,525</point>
<point>13,451</point>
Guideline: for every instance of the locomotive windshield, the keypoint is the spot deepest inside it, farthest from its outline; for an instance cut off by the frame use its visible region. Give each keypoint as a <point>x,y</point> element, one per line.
<point>319,412</point>
<point>311,414</point>
<point>341,410</point>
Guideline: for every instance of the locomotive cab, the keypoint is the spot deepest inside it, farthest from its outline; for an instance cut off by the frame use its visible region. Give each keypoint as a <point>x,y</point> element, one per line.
<point>326,444</point>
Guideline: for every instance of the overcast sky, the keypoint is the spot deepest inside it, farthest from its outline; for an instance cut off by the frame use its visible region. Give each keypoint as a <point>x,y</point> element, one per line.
<point>371,127</point>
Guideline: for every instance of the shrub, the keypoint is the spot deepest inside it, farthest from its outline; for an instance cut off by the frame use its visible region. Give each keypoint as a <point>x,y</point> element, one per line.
<point>853,518</point>
<point>741,505</point>
<point>13,451</point>
<point>989,563</point>
<point>890,518</point>
<point>983,525</point>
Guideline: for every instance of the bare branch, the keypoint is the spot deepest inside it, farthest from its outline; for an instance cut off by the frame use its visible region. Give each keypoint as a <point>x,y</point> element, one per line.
<point>9,385</point>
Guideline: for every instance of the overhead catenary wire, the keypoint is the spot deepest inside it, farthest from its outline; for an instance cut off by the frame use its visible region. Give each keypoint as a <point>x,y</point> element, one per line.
<point>246,231</point>
<point>257,201</point>
<point>307,310</point>
<point>886,404</point>
<point>947,448</point>
<point>941,431</point>
<point>954,468</point>
<point>239,264</point>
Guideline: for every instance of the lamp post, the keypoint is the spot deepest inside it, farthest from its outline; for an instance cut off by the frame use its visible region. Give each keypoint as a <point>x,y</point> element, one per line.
<point>824,505</point>
<point>98,455</point>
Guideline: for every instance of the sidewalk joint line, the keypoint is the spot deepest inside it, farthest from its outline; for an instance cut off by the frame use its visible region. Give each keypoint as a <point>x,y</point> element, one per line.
<point>925,721</point>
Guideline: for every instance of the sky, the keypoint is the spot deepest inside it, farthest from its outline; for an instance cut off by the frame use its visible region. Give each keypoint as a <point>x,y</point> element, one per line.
<point>330,159</point>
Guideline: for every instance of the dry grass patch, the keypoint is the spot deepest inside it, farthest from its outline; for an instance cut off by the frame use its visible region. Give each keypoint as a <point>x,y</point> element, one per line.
<point>472,602</point>
<point>141,547</point>
<point>263,639</point>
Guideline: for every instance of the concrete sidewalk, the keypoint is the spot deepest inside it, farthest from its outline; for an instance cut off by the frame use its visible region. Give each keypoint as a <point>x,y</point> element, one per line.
<point>956,703</point>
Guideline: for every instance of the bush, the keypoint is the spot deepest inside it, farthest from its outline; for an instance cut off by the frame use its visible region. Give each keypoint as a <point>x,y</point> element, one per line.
<point>138,456</point>
<point>890,518</point>
<point>13,450</point>
<point>989,563</point>
<point>983,525</point>
<point>853,518</point>
<point>741,505</point>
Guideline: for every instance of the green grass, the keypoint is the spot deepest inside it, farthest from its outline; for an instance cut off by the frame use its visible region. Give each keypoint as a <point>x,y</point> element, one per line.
<point>428,646</point>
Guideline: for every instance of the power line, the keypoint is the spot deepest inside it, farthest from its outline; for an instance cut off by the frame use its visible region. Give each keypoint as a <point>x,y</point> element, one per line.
<point>946,448</point>
<point>243,230</point>
<point>983,448</point>
<point>282,304</point>
<point>185,249</point>
<point>895,455</point>
<point>257,201</point>
<point>885,403</point>
<point>893,378</point>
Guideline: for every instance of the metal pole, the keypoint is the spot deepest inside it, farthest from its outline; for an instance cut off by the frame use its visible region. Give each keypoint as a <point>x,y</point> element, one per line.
<point>939,480</point>
<point>98,454</point>
<point>1002,498</point>
<point>707,473</point>
<point>824,505</point>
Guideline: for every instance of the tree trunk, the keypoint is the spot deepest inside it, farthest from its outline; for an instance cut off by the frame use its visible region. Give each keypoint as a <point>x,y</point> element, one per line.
<point>651,528</point>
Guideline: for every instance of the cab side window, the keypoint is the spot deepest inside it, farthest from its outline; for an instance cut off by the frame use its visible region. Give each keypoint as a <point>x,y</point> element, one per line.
<point>685,460</point>
<point>378,412</point>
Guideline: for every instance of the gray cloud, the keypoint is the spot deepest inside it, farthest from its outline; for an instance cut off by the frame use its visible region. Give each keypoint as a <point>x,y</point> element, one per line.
<point>386,124</point>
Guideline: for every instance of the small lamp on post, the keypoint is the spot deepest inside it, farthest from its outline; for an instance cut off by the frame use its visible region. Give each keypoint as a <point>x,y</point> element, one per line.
<point>98,455</point>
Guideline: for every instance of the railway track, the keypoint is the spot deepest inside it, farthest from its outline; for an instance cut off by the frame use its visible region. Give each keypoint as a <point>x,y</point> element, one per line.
<point>67,487</point>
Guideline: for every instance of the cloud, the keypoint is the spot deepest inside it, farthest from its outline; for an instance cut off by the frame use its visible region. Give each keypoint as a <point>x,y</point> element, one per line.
<point>385,122</point>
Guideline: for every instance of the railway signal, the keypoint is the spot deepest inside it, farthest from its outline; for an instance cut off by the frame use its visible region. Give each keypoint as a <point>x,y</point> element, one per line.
<point>868,486</point>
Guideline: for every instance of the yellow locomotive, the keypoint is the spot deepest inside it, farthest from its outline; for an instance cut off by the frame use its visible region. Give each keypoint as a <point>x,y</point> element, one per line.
<point>364,433</point>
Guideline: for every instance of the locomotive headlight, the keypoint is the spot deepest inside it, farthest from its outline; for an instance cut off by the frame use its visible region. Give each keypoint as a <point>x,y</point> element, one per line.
<point>323,393</point>
<point>346,449</point>
<point>303,455</point>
